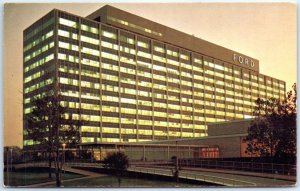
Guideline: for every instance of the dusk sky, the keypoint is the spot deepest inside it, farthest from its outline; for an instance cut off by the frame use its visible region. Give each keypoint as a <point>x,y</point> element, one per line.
<point>265,31</point>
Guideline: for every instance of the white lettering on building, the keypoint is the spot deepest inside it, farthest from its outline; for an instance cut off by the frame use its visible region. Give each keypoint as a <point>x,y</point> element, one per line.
<point>242,60</point>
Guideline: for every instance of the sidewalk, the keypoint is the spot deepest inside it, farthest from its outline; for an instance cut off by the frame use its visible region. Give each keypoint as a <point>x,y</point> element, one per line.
<point>79,171</point>
<point>87,175</point>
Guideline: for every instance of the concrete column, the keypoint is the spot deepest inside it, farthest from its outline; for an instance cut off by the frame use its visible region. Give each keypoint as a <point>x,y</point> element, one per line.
<point>168,152</point>
<point>144,153</point>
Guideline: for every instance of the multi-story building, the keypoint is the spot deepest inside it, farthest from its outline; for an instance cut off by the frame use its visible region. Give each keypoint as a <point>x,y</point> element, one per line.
<point>131,80</point>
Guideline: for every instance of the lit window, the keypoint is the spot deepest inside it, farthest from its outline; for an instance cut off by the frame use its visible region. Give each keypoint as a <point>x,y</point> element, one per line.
<point>159,58</point>
<point>127,50</point>
<point>133,26</point>
<point>173,53</point>
<point>185,57</point>
<point>67,22</point>
<point>90,51</point>
<point>89,40</point>
<point>62,56</point>
<point>219,67</point>
<point>90,129</point>
<point>63,33</point>
<point>144,64</point>
<point>90,62</point>
<point>143,44</point>
<point>109,45</point>
<point>109,35</point>
<point>144,54</point>
<point>89,29</point>
<point>87,139</point>
<point>173,62</point>
<point>127,39</point>
<point>110,56</point>
<point>159,68</point>
<point>159,49</point>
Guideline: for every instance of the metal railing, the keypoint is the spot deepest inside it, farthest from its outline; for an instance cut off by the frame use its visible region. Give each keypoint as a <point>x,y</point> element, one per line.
<point>272,168</point>
<point>194,176</point>
<point>46,164</point>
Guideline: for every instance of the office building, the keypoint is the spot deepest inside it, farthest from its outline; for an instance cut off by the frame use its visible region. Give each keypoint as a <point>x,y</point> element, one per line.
<point>129,79</point>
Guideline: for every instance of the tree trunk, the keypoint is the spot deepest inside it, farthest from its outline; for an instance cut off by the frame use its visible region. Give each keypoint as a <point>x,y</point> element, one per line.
<point>119,180</point>
<point>58,181</point>
<point>119,176</point>
<point>57,169</point>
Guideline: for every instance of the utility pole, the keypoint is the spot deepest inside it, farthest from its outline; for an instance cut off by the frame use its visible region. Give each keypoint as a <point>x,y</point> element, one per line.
<point>176,156</point>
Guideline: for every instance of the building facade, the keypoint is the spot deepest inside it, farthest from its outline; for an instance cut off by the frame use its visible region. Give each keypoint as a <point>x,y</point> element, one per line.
<point>129,79</point>
<point>224,140</point>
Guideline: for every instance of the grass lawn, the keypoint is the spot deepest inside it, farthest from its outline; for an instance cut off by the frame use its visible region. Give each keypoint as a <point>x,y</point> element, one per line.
<point>27,178</point>
<point>111,181</point>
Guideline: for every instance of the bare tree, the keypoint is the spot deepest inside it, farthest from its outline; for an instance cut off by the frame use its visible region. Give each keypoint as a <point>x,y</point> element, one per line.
<point>48,127</point>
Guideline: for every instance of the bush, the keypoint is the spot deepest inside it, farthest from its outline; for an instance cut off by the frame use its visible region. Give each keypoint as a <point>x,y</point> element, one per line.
<point>117,161</point>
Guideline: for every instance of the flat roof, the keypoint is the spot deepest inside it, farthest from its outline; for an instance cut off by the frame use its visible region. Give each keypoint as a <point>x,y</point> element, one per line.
<point>174,37</point>
<point>228,122</point>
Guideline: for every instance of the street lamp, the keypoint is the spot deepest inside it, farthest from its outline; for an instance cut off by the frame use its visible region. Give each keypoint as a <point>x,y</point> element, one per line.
<point>177,166</point>
<point>64,157</point>
<point>11,150</point>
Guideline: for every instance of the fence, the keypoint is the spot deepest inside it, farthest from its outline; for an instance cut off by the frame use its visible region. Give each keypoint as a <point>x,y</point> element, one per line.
<point>242,166</point>
<point>271,168</point>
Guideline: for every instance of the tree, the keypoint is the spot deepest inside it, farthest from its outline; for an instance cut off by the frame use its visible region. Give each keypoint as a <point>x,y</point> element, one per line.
<point>118,162</point>
<point>49,128</point>
<point>273,131</point>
